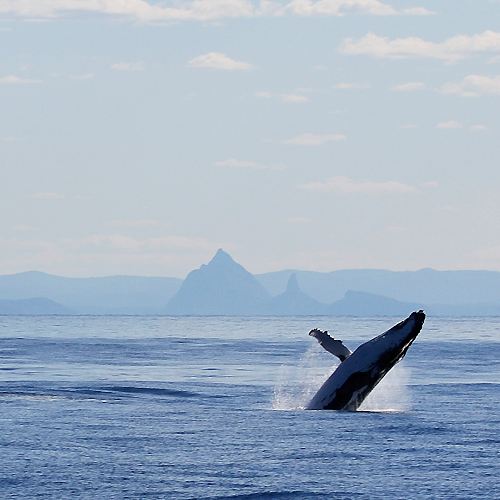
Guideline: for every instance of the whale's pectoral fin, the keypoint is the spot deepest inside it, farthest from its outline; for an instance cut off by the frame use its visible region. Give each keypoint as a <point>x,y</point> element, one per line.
<point>330,344</point>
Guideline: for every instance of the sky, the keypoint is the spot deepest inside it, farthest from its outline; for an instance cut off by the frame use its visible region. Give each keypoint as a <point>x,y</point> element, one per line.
<point>139,137</point>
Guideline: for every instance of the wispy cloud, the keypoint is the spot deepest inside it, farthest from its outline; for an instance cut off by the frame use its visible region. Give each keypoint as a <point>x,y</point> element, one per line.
<point>293,97</point>
<point>474,85</point>
<point>452,49</point>
<point>452,124</point>
<point>478,128</point>
<point>234,163</point>
<point>128,66</point>
<point>47,196</point>
<point>17,79</point>
<point>297,96</point>
<point>140,10</point>
<point>314,140</point>
<point>409,87</point>
<point>345,185</point>
<point>218,61</point>
<point>347,86</point>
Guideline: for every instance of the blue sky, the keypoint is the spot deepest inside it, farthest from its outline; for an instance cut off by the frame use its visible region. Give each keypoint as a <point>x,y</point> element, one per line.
<point>138,138</point>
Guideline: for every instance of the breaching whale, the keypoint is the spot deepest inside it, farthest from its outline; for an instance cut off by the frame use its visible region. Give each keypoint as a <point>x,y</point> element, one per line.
<point>360,371</point>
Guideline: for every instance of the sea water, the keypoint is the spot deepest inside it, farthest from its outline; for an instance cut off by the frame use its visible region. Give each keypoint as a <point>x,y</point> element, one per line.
<point>212,408</point>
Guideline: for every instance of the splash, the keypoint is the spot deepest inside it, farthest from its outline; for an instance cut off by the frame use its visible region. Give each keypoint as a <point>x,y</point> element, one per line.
<point>392,394</point>
<point>298,384</point>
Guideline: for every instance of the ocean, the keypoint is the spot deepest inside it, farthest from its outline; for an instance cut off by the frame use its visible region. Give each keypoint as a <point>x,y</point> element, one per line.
<point>192,408</point>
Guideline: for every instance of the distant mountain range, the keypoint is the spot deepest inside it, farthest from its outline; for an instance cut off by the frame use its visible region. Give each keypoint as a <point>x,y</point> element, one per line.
<point>224,287</point>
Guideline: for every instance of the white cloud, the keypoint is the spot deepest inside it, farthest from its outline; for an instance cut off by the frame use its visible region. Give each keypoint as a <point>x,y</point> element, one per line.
<point>344,185</point>
<point>478,128</point>
<point>17,79</point>
<point>296,96</point>
<point>47,196</point>
<point>408,87</point>
<point>473,85</point>
<point>201,10</point>
<point>452,49</point>
<point>429,184</point>
<point>346,86</point>
<point>265,95</point>
<point>218,61</point>
<point>450,125</point>
<point>87,76</point>
<point>314,140</point>
<point>293,97</point>
<point>128,66</point>
<point>234,163</point>
<point>418,11</point>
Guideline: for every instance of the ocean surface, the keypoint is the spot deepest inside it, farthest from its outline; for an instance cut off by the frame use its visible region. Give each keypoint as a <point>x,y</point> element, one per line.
<point>189,408</point>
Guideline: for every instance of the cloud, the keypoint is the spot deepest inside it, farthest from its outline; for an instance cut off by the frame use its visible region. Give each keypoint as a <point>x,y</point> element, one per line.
<point>265,95</point>
<point>17,79</point>
<point>218,61</point>
<point>293,97</point>
<point>314,140</point>
<point>87,76</point>
<point>429,184</point>
<point>449,125</point>
<point>47,196</point>
<point>234,163</point>
<point>297,96</point>
<point>473,85</point>
<point>128,66</point>
<point>478,128</point>
<point>346,86</point>
<point>201,10</point>
<point>452,49</point>
<point>408,87</point>
<point>344,185</point>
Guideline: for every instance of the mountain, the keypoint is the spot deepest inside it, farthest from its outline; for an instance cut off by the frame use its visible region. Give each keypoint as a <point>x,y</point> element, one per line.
<point>369,304</point>
<point>35,306</point>
<point>108,295</point>
<point>294,302</point>
<point>221,287</point>
<point>426,286</point>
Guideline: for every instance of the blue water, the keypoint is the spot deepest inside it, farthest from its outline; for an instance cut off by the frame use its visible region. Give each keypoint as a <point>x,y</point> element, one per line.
<point>210,408</point>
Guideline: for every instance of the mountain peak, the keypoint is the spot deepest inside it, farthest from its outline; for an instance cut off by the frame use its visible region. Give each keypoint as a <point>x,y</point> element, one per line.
<point>293,285</point>
<point>221,257</point>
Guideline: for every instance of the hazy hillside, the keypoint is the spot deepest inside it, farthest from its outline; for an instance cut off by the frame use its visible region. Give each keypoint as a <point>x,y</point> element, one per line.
<point>224,287</point>
<point>425,286</point>
<point>108,295</point>
<point>35,306</point>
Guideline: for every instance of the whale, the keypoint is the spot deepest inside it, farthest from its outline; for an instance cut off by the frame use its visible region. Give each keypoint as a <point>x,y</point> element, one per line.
<point>360,371</point>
